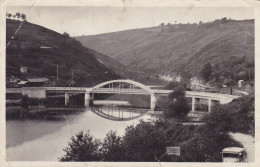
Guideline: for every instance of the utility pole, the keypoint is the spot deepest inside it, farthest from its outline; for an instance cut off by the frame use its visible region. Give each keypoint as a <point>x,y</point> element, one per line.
<point>57,72</point>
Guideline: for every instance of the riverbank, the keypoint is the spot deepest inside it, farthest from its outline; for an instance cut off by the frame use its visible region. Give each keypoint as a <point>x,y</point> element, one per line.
<point>41,112</point>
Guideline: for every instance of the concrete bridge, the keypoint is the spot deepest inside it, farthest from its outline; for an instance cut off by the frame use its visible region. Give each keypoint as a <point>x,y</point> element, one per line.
<point>121,87</point>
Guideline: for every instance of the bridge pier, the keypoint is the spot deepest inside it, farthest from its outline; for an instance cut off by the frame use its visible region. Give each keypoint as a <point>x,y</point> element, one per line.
<point>32,92</point>
<point>196,101</point>
<point>67,99</point>
<point>193,104</point>
<point>153,101</point>
<point>87,99</point>
<point>209,105</point>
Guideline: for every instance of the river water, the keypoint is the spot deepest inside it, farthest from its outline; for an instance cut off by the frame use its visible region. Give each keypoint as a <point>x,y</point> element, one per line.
<point>43,140</point>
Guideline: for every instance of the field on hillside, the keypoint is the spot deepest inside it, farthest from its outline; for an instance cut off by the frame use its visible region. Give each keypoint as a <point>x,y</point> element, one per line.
<point>176,48</point>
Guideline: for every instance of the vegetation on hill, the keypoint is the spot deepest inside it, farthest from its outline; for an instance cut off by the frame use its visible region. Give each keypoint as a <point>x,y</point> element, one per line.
<point>41,50</point>
<point>110,63</point>
<point>17,16</point>
<point>230,71</point>
<point>237,116</point>
<point>177,48</point>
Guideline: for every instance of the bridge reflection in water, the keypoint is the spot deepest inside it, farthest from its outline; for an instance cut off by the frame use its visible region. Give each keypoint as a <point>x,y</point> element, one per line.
<point>117,113</point>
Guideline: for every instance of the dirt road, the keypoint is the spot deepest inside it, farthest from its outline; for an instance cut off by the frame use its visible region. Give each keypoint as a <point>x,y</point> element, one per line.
<point>248,143</point>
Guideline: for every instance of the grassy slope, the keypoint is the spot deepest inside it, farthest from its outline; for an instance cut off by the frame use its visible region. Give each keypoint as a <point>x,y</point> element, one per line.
<point>175,48</point>
<point>69,54</point>
<point>110,63</point>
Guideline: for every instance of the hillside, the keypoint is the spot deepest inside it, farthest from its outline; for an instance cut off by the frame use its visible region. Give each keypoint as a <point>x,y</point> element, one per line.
<point>41,50</point>
<point>176,48</point>
<point>110,63</point>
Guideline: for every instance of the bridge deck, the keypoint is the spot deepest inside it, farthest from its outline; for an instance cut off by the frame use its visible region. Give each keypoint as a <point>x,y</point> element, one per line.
<point>195,94</point>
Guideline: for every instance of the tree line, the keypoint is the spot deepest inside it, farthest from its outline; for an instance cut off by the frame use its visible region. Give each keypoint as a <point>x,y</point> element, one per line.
<point>17,15</point>
<point>222,20</point>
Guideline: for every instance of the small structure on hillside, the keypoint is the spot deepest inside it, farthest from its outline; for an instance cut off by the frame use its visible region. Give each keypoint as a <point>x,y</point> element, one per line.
<point>178,78</point>
<point>167,78</point>
<point>22,83</point>
<point>23,70</point>
<point>45,47</point>
<point>13,79</point>
<point>240,83</point>
<point>37,81</point>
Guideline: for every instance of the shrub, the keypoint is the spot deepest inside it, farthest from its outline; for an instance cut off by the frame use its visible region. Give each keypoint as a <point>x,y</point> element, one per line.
<point>237,116</point>
<point>206,71</point>
<point>177,106</point>
<point>83,147</point>
<point>112,147</point>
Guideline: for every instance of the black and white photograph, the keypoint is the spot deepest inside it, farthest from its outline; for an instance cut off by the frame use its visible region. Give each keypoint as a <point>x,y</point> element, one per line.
<point>129,81</point>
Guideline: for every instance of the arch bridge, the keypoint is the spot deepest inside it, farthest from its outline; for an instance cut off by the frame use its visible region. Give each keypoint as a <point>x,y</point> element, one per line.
<point>121,87</point>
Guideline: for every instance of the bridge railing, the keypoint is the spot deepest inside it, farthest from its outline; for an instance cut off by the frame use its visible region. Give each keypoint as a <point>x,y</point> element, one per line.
<point>119,90</point>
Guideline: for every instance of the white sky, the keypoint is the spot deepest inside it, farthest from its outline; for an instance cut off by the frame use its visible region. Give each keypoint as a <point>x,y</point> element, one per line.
<point>89,20</point>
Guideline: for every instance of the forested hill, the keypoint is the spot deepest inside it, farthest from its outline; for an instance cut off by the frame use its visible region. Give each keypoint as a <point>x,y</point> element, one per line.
<point>41,50</point>
<point>176,48</point>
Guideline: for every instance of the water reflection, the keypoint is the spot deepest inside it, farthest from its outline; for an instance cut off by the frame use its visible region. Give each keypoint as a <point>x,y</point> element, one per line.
<point>115,113</point>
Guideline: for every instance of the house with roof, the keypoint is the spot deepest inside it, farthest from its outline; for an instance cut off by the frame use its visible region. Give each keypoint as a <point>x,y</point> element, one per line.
<point>37,81</point>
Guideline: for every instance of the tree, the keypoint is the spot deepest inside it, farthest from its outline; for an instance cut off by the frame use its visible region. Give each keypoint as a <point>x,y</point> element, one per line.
<point>173,84</point>
<point>147,141</point>
<point>224,19</point>
<point>23,16</point>
<point>66,35</point>
<point>14,16</point>
<point>9,15</point>
<point>206,71</point>
<point>112,147</point>
<point>237,116</point>
<point>82,147</point>
<point>177,105</point>
<point>18,14</point>
<point>144,142</point>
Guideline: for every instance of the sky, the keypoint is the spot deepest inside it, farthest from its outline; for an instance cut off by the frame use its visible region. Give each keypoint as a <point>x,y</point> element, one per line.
<point>91,20</point>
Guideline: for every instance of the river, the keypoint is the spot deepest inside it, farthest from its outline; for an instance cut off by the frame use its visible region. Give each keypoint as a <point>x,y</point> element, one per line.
<point>44,140</point>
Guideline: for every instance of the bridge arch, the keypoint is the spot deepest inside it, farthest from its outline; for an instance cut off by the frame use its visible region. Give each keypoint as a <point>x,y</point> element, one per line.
<point>140,85</point>
<point>145,88</point>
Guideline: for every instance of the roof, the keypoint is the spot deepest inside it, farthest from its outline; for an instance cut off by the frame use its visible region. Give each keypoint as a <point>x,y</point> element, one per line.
<point>233,149</point>
<point>45,47</point>
<point>22,82</point>
<point>38,79</point>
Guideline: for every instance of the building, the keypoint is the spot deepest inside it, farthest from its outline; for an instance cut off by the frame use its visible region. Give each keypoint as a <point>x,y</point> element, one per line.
<point>37,81</point>
<point>23,70</point>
